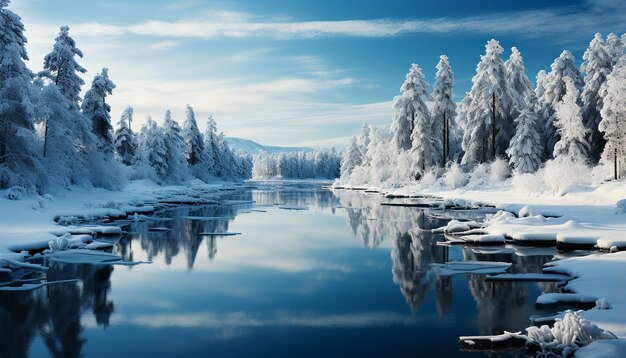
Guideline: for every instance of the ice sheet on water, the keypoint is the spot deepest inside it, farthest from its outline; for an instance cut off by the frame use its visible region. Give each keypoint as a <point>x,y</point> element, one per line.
<point>83,256</point>
<point>556,298</point>
<point>470,267</point>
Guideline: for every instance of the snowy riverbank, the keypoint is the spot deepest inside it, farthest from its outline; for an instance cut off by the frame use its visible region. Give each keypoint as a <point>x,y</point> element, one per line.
<point>584,216</point>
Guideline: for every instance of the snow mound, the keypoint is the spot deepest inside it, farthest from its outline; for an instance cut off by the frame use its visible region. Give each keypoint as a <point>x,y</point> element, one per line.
<point>16,193</point>
<point>556,298</point>
<point>568,335</point>
<point>603,349</point>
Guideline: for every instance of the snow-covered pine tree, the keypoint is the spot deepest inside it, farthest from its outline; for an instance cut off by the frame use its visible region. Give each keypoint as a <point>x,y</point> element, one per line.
<point>554,89</point>
<point>613,124</point>
<point>124,139</point>
<point>61,67</point>
<point>408,106</point>
<point>211,147</point>
<point>19,163</point>
<point>364,141</point>
<point>175,144</point>
<point>572,142</point>
<point>526,149</point>
<point>540,89</point>
<point>489,98</point>
<point>444,108</point>
<point>422,138</point>
<point>152,149</point>
<point>519,82</point>
<point>194,142</point>
<point>96,109</point>
<point>615,47</point>
<point>597,65</point>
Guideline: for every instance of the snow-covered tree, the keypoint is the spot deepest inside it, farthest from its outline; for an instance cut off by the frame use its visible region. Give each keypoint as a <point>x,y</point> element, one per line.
<point>615,47</point>
<point>409,108</point>
<point>526,148</point>
<point>19,163</point>
<point>98,111</point>
<point>597,65</point>
<point>519,82</point>
<point>175,144</point>
<point>211,147</point>
<point>572,142</point>
<point>554,89</point>
<point>422,137</point>
<point>488,109</point>
<point>61,67</point>
<point>444,108</point>
<point>124,139</point>
<point>364,140</point>
<point>194,142</point>
<point>613,124</point>
<point>152,149</point>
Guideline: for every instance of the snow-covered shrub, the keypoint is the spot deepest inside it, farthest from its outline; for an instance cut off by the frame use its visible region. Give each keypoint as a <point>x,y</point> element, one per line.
<point>567,335</point>
<point>455,177</point>
<point>16,193</point>
<point>499,170</point>
<point>526,183</point>
<point>429,179</point>
<point>562,175</point>
<point>479,175</point>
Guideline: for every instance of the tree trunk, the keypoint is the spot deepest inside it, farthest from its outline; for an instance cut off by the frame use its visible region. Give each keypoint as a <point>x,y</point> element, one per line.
<point>445,139</point>
<point>45,140</point>
<point>615,163</point>
<point>493,126</point>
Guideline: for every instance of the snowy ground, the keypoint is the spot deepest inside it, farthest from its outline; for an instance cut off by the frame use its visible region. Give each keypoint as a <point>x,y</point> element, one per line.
<point>592,216</point>
<point>31,223</point>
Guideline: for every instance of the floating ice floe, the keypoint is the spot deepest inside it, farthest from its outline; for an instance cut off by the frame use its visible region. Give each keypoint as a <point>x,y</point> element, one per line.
<point>219,233</point>
<point>90,230</point>
<point>469,267</point>
<point>533,277</point>
<point>207,218</point>
<point>82,256</point>
<point>570,298</point>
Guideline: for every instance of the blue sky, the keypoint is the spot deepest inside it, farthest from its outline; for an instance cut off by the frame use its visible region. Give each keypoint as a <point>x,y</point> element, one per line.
<point>299,72</point>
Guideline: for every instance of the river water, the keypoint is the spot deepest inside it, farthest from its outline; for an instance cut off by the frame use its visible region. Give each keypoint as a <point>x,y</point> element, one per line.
<point>313,274</point>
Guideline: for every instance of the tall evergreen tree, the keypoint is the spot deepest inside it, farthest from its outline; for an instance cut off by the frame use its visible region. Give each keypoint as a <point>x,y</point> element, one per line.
<point>597,65</point>
<point>409,107</point>
<point>175,144</point>
<point>519,82</point>
<point>488,111</point>
<point>152,149</point>
<point>444,108</point>
<point>124,139</point>
<point>554,89</point>
<point>194,142</point>
<point>572,142</point>
<point>61,67</point>
<point>615,47</point>
<point>422,139</point>
<point>211,147</point>
<point>613,124</point>
<point>98,111</point>
<point>526,149</point>
<point>19,163</point>
<point>364,141</point>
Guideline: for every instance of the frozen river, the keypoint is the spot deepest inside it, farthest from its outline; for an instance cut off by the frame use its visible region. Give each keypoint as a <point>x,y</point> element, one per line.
<point>312,274</point>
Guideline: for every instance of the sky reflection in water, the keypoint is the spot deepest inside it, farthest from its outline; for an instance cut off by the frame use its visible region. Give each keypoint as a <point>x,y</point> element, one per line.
<point>347,276</point>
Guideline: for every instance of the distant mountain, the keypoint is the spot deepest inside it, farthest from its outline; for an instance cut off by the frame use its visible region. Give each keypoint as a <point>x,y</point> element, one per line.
<point>253,147</point>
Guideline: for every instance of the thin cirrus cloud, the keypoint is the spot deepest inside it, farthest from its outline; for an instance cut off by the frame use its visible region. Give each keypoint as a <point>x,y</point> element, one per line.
<point>559,21</point>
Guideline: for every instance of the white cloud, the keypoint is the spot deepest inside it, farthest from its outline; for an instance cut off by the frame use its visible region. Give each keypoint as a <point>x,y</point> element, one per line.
<point>558,21</point>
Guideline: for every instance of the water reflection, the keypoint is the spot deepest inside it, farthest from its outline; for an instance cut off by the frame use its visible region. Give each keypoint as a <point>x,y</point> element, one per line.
<point>334,294</point>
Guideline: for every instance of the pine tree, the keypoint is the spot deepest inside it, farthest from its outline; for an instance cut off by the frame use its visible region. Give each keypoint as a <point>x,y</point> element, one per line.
<point>19,163</point>
<point>554,89</point>
<point>488,109</point>
<point>526,149</point>
<point>615,47</point>
<point>408,107</point>
<point>613,124</point>
<point>152,149</point>
<point>444,108</point>
<point>364,141</point>
<point>597,64</point>
<point>211,147</point>
<point>194,142</point>
<point>175,144</point>
<point>519,82</point>
<point>422,137</point>
<point>61,67</point>
<point>124,140</point>
<point>573,143</point>
<point>98,111</point>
